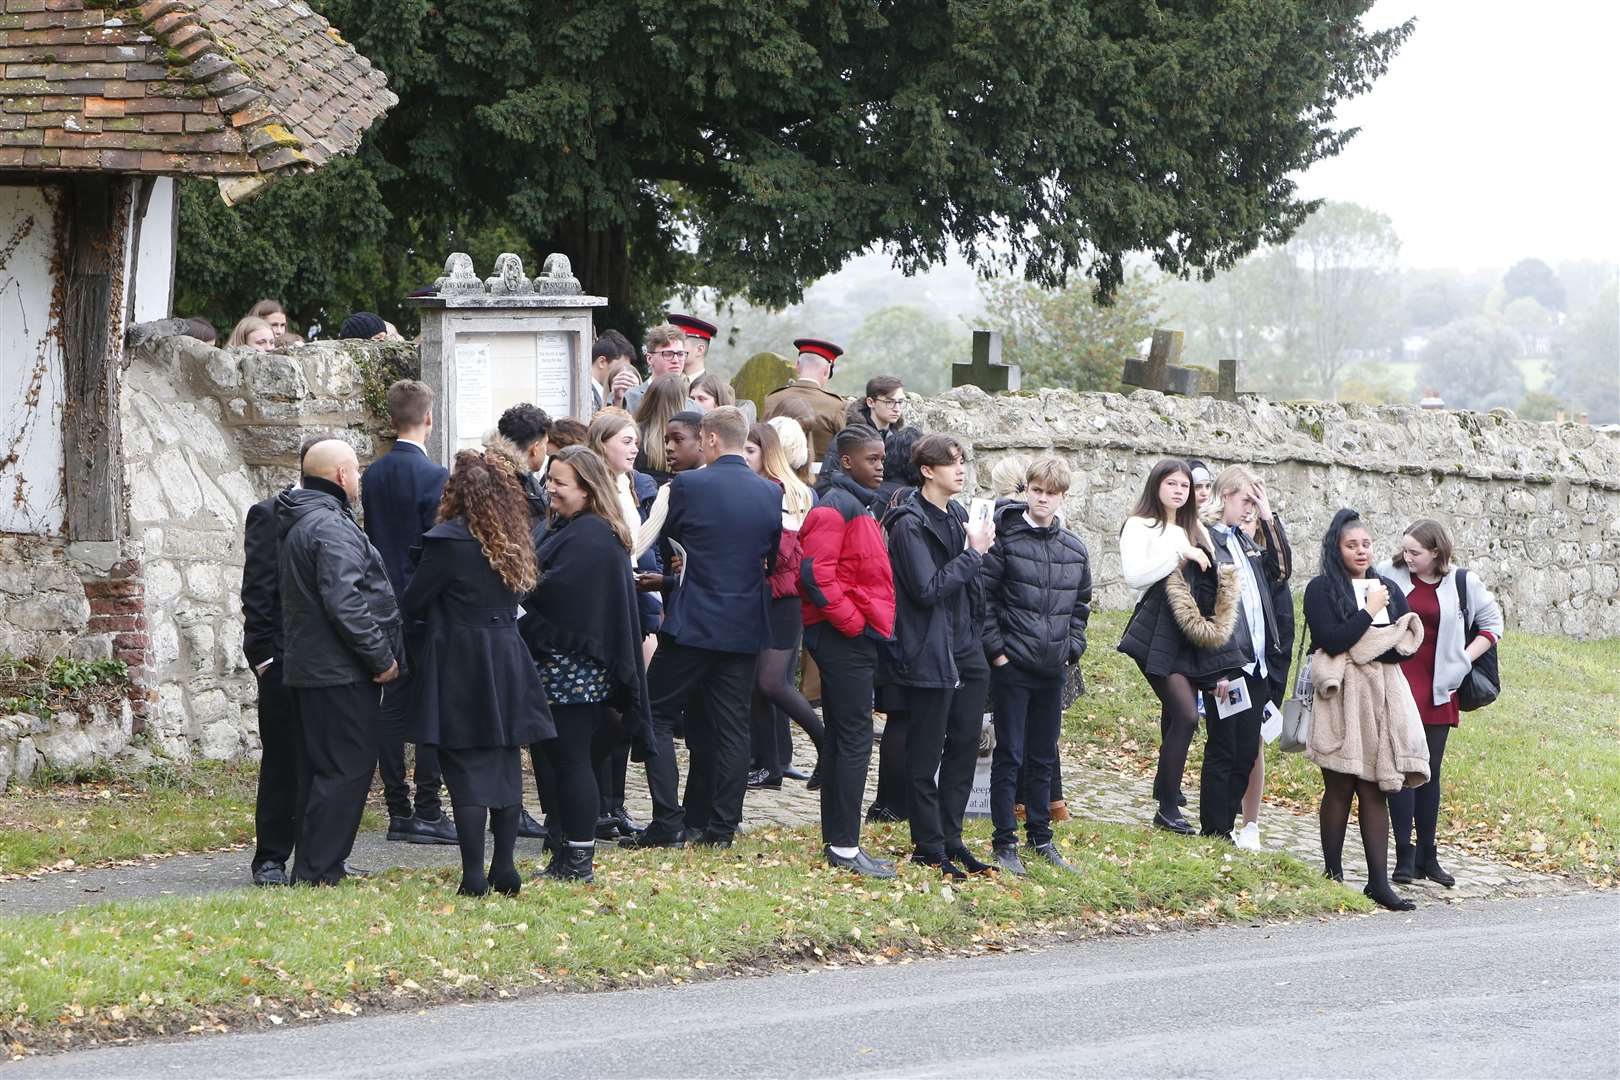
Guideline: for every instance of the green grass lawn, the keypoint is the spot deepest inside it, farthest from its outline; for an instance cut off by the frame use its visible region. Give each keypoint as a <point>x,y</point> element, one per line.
<point>1534,779</point>
<point>260,957</point>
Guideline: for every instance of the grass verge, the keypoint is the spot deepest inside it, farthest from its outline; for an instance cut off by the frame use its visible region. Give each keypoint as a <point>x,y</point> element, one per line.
<point>253,958</point>
<point>1533,780</point>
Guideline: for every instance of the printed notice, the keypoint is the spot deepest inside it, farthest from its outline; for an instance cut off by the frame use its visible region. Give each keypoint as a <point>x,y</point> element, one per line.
<point>474,410</point>
<point>553,373</point>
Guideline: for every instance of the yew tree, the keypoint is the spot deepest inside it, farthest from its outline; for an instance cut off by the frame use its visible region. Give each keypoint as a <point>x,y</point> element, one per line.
<point>754,145</point>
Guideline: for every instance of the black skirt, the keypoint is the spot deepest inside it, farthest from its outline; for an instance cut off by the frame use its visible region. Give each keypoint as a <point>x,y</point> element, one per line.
<point>786,623</point>
<point>484,775</point>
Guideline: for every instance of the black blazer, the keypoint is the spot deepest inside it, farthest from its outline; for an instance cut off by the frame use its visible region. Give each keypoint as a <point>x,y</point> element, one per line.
<point>473,683</point>
<point>261,588</point>
<point>399,493</point>
<point>730,523</point>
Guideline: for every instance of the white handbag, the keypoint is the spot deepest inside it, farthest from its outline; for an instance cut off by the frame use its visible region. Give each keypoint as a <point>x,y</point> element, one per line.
<point>1296,711</point>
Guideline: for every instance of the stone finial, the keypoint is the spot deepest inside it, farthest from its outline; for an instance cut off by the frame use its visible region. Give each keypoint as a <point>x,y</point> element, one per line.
<point>557,277</point>
<point>509,279</point>
<point>460,279</point>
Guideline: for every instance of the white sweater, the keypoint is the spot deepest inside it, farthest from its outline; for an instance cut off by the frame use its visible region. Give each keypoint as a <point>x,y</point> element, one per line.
<point>1148,552</point>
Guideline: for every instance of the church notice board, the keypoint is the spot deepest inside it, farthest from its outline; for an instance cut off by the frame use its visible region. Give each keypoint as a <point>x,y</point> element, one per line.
<point>496,370</point>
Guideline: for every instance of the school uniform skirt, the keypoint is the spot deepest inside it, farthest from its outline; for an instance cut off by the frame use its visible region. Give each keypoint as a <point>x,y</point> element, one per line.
<point>483,775</point>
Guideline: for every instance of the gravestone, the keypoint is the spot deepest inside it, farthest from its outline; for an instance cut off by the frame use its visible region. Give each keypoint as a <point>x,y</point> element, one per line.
<point>1164,372</point>
<point>763,373</point>
<point>489,344</point>
<point>987,371</point>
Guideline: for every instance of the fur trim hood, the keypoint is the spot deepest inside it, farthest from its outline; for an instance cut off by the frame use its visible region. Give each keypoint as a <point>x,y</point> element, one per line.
<point>1205,631</point>
<point>501,446</point>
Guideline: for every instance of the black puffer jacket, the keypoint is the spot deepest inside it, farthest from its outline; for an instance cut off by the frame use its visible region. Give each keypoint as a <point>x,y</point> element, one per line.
<point>340,620</point>
<point>1187,624</point>
<point>1037,594</point>
<point>938,601</point>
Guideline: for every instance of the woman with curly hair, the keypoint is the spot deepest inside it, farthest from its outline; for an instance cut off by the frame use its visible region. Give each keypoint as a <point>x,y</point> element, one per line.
<point>582,626</point>
<point>475,694</point>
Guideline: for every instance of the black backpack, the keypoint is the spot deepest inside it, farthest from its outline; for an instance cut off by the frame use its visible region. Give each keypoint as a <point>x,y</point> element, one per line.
<point>1484,682</point>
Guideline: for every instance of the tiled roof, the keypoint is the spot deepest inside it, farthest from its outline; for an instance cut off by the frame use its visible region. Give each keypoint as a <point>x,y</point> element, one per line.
<point>238,90</point>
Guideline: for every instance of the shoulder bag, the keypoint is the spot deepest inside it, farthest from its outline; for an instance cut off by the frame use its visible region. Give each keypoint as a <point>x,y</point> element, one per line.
<point>1483,684</point>
<point>1296,711</point>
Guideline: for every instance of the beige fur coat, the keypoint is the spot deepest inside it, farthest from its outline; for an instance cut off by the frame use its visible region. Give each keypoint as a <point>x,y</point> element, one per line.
<point>1364,721</point>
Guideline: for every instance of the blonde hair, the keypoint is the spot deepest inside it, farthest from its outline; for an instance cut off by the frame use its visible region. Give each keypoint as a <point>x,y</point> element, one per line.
<point>1007,477</point>
<point>250,324</point>
<point>1052,473</point>
<point>1232,478</point>
<point>794,447</point>
<point>774,464</point>
<point>665,396</point>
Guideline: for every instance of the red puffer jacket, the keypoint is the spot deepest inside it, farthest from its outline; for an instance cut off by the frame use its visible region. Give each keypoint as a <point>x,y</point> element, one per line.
<point>785,581</point>
<point>844,574</point>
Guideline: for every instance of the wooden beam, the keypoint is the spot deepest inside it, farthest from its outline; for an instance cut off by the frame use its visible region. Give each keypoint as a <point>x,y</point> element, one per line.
<point>91,354</point>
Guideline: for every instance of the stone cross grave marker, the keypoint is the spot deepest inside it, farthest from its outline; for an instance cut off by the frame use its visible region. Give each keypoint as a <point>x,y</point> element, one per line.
<point>1162,371</point>
<point>987,371</point>
<point>763,373</point>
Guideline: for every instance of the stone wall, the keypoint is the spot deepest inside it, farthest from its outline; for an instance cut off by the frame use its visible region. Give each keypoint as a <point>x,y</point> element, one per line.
<point>1533,508</point>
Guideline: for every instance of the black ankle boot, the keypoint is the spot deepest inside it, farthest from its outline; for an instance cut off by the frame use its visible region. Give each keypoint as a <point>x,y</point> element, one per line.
<point>1405,864</point>
<point>1430,868</point>
<point>573,864</point>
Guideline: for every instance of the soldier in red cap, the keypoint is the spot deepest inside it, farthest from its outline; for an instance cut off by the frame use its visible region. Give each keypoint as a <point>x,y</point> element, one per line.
<point>698,335</point>
<point>816,361</point>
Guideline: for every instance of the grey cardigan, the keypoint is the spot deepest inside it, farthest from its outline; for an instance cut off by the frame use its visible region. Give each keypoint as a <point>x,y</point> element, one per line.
<point>1450,661</point>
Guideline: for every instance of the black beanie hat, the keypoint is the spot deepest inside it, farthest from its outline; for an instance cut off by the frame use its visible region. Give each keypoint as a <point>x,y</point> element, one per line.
<point>362,324</point>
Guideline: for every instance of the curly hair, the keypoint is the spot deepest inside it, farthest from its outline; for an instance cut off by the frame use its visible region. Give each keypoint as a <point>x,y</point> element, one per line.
<point>484,488</point>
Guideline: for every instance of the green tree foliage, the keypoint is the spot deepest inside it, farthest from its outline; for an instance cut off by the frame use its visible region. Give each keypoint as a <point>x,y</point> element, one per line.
<point>1473,364</point>
<point>755,145</point>
<point>1065,337</point>
<point>1587,374</point>
<point>1535,279</point>
<point>1539,406</point>
<point>911,342</point>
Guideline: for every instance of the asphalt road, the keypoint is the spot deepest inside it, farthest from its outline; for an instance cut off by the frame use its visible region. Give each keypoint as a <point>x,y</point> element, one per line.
<point>1514,988</point>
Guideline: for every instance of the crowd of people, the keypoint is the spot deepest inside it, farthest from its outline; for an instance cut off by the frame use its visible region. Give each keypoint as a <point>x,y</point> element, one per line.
<point>595,592</point>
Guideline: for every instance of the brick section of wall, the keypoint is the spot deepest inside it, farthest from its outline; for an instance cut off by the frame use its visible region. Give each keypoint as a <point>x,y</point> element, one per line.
<point>118,610</point>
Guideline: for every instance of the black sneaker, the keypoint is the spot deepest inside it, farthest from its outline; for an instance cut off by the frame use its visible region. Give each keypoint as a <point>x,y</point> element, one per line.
<point>1007,858</point>
<point>439,830</point>
<point>762,778</point>
<point>628,826</point>
<point>270,873</point>
<point>877,812</point>
<point>1051,854</point>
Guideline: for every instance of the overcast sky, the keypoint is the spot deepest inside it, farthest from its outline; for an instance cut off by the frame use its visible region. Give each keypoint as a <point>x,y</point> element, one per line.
<point>1494,136</point>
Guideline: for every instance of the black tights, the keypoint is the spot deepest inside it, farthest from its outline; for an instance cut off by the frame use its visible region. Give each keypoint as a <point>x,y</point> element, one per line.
<point>1178,723</point>
<point>1422,804</point>
<point>774,690</point>
<point>575,755</point>
<point>1337,790</point>
<point>503,822</point>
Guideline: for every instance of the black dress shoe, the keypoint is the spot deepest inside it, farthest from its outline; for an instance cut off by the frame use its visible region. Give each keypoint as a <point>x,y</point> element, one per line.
<point>1388,898</point>
<point>964,858</point>
<point>439,830</point>
<point>1181,798</point>
<point>878,812</point>
<point>530,828</point>
<point>814,783</point>
<point>1050,853</point>
<point>401,828</point>
<point>1177,824</point>
<point>628,826</point>
<point>351,870</point>
<point>692,836</point>
<point>939,862</point>
<point>762,778</point>
<point>1007,858</point>
<point>712,840</point>
<point>607,827</point>
<point>793,772</point>
<point>861,863</point>
<point>647,838</point>
<point>270,873</point>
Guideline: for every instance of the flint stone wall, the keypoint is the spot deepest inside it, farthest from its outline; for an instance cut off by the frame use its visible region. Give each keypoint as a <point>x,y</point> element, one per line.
<point>1533,508</point>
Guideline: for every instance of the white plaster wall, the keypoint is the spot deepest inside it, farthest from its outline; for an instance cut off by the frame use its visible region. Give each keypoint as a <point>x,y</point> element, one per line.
<point>31,378</point>
<point>153,280</point>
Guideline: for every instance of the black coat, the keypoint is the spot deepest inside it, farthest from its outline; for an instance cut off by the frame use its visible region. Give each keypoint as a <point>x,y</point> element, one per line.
<point>938,601</point>
<point>1336,623</point>
<point>340,623</point>
<point>473,683</point>
<point>730,523</point>
<point>399,494</point>
<point>261,591</point>
<point>1155,637</point>
<point>856,414</point>
<point>1278,559</point>
<point>1037,595</point>
<point>585,603</point>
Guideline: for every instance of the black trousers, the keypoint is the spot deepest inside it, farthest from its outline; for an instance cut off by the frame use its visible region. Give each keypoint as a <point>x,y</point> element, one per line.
<point>396,789</point>
<point>1234,743</point>
<point>278,809</point>
<point>847,666</point>
<point>944,736</point>
<point>341,725</point>
<point>711,689</point>
<point>1028,718</point>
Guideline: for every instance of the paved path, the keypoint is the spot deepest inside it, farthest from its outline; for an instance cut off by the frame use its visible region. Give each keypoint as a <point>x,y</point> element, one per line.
<point>1518,988</point>
<point>1104,796</point>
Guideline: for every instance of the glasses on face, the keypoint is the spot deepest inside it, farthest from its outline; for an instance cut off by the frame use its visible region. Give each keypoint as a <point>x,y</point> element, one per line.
<point>669,354</point>
<point>892,402</point>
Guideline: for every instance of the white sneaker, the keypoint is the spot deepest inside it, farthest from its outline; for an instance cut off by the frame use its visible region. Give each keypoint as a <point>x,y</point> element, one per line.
<point>1248,837</point>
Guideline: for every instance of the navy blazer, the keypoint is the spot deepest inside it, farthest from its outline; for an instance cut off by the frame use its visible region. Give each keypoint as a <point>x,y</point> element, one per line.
<point>730,523</point>
<point>399,493</point>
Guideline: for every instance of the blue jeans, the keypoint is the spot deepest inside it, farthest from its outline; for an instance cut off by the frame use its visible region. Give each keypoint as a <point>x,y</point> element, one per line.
<point>1028,717</point>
